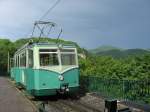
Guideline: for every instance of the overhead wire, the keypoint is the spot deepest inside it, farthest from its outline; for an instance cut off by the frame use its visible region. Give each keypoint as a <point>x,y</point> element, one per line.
<point>49,10</point>
<point>30,34</point>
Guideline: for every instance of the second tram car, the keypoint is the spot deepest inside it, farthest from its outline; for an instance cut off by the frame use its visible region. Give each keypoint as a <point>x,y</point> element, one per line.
<point>45,69</point>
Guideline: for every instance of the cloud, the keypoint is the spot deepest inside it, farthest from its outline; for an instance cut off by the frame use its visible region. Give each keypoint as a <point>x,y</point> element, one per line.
<point>123,23</point>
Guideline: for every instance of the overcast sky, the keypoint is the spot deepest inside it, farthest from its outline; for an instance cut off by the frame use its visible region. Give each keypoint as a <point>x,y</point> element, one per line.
<point>90,23</point>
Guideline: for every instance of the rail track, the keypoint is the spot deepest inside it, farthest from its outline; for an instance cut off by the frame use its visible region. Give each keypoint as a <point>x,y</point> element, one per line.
<point>89,103</point>
<point>57,103</point>
<point>72,106</point>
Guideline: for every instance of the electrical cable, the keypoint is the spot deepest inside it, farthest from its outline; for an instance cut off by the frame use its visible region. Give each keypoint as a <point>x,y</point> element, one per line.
<point>50,9</point>
<point>42,17</point>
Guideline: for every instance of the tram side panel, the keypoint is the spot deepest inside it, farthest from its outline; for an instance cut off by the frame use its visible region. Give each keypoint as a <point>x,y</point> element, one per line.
<point>30,80</point>
<point>23,76</point>
<point>17,75</point>
<point>12,73</point>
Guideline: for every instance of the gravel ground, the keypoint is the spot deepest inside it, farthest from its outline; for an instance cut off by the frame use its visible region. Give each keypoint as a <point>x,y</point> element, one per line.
<point>97,101</point>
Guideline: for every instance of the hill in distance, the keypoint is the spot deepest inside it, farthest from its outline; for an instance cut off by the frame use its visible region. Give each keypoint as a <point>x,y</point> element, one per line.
<point>117,52</point>
<point>104,48</point>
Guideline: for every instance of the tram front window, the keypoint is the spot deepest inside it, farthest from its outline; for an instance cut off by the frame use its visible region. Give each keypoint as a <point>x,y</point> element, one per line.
<point>48,58</point>
<point>68,59</point>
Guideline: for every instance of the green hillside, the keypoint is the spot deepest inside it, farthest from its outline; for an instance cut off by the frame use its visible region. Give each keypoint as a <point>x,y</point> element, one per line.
<point>117,52</point>
<point>103,49</point>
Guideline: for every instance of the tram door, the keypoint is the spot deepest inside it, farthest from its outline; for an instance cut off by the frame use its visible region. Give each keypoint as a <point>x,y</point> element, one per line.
<point>23,67</point>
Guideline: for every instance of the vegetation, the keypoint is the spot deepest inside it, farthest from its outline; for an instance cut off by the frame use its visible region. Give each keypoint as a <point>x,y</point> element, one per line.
<point>132,68</point>
<point>5,46</point>
<point>118,76</point>
<point>111,71</point>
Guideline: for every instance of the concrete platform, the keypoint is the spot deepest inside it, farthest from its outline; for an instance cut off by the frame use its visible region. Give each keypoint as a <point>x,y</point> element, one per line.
<point>11,100</point>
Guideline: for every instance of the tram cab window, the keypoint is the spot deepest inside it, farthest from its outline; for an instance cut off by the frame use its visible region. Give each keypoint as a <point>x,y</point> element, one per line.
<point>48,57</point>
<point>68,57</point>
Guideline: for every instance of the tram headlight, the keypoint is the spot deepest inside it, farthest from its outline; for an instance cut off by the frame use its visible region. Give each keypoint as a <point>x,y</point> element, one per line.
<point>61,78</point>
<point>67,89</point>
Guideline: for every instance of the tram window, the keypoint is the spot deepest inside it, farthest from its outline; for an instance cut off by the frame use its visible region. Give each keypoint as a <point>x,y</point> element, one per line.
<point>23,59</point>
<point>68,59</point>
<point>12,62</point>
<point>15,61</point>
<point>30,56</point>
<point>48,50</point>
<point>67,50</point>
<point>18,61</point>
<point>48,59</point>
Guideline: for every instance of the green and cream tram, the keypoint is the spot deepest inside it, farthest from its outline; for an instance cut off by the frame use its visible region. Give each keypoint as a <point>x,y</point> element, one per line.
<point>45,69</point>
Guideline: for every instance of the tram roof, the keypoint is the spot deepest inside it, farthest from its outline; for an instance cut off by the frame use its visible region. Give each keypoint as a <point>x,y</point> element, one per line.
<point>46,44</point>
<point>51,44</point>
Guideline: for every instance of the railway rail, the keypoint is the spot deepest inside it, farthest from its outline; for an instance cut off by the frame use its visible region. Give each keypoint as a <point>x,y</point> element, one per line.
<point>88,103</point>
<point>72,106</point>
<point>59,104</point>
